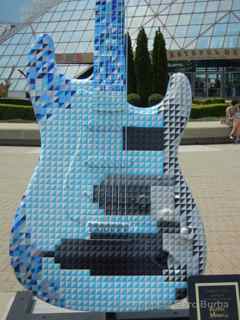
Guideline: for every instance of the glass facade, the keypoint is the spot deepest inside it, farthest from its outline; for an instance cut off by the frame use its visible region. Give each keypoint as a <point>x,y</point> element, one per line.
<point>186,24</point>
<point>215,78</point>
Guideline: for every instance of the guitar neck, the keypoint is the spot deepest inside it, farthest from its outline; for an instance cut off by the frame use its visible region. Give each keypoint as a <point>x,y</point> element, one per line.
<point>109,46</point>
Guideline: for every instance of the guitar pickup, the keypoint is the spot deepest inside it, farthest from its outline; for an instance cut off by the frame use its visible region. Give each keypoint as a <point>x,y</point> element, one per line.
<point>107,227</point>
<point>143,139</point>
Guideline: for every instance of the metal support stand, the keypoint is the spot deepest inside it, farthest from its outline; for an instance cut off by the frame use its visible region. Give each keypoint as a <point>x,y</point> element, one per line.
<point>23,305</point>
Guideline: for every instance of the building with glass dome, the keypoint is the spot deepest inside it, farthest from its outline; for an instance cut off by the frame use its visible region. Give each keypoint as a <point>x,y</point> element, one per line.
<point>202,37</point>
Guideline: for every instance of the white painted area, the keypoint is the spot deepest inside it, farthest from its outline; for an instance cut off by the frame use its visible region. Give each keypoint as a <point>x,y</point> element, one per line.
<point>199,148</point>
<point>8,308</point>
<point>17,94</point>
<point>35,150</point>
<point>19,150</point>
<point>43,307</point>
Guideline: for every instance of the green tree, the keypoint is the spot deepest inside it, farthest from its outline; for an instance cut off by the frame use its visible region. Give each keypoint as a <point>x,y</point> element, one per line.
<point>143,68</point>
<point>132,85</point>
<point>160,64</point>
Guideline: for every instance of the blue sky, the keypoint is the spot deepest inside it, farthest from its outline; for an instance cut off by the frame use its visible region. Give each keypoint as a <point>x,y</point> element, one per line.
<point>11,10</point>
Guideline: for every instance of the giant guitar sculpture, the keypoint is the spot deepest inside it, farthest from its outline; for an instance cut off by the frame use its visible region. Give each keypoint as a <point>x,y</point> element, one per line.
<point>107,222</point>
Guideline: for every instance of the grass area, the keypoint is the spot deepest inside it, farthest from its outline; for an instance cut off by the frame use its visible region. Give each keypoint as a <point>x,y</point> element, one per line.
<point>209,110</point>
<point>3,105</point>
<point>16,112</point>
<point>208,101</point>
<point>206,119</point>
<point>205,110</point>
<point>205,106</point>
<point>17,102</point>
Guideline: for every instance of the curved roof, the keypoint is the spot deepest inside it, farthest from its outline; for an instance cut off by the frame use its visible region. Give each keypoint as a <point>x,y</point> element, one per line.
<point>186,24</point>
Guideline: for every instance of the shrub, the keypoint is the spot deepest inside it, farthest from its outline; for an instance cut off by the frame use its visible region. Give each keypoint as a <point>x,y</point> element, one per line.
<point>159,64</point>
<point>205,111</point>
<point>132,81</point>
<point>209,101</point>
<point>143,67</point>
<point>154,98</point>
<point>12,112</point>
<point>134,99</point>
<point>17,102</point>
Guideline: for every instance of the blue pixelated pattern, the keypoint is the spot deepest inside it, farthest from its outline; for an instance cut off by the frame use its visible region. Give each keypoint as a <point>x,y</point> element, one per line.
<point>96,180</point>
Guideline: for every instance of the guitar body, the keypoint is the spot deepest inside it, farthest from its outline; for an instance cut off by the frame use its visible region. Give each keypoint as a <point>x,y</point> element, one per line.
<point>107,222</point>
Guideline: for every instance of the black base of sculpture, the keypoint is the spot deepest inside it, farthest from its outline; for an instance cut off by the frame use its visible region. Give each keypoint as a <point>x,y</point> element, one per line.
<point>23,305</point>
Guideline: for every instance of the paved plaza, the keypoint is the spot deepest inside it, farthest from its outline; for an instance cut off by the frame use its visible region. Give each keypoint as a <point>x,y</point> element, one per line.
<point>213,173</point>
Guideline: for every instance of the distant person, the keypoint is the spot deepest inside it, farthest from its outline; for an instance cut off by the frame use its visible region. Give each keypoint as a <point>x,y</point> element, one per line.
<point>235,133</point>
<point>230,113</point>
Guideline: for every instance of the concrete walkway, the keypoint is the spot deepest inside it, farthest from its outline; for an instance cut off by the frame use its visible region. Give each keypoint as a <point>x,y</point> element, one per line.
<point>27,134</point>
